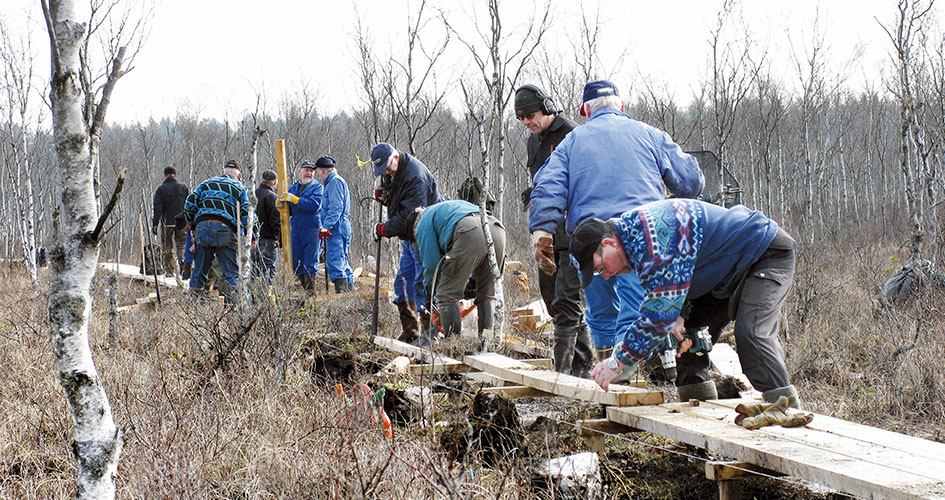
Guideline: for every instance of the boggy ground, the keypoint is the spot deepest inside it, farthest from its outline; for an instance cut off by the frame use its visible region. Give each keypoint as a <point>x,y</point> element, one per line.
<point>265,421</point>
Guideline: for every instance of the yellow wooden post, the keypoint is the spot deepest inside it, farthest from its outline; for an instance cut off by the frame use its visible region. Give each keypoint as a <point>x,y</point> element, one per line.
<point>282,186</point>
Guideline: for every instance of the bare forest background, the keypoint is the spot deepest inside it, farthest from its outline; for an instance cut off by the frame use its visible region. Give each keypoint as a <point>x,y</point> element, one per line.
<point>853,172</point>
<point>827,161</point>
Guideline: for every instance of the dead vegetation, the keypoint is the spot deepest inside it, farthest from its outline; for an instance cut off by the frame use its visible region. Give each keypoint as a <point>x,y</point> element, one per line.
<point>268,423</point>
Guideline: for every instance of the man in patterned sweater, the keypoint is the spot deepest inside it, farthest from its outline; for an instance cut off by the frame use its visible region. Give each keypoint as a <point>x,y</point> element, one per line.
<point>215,210</point>
<point>699,265</point>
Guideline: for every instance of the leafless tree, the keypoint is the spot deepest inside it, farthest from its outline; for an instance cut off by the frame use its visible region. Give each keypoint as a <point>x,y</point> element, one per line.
<point>79,102</point>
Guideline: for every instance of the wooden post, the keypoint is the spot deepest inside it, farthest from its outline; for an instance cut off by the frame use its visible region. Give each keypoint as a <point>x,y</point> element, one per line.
<point>282,186</point>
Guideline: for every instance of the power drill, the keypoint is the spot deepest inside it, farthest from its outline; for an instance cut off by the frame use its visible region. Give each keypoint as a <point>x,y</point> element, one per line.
<point>701,345</point>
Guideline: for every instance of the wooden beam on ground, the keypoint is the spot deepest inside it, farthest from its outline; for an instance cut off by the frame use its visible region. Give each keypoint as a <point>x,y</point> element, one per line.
<point>543,363</point>
<point>520,373</point>
<point>517,391</point>
<point>851,458</point>
<point>524,346</point>
<point>133,273</point>
<point>729,471</point>
<point>441,368</point>
<point>598,426</point>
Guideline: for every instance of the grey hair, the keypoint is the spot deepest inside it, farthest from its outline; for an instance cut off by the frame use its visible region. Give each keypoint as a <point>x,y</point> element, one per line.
<point>596,103</point>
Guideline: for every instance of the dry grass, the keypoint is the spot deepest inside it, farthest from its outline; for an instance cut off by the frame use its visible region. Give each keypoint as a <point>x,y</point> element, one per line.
<point>263,427</point>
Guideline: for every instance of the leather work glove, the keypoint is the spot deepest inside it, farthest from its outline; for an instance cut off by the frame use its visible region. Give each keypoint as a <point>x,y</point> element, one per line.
<point>778,413</point>
<point>381,195</point>
<point>379,231</point>
<point>289,197</point>
<point>545,255</point>
<point>324,234</point>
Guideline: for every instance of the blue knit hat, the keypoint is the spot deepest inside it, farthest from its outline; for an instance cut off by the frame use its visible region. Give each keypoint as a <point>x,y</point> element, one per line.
<point>598,88</point>
<point>379,155</point>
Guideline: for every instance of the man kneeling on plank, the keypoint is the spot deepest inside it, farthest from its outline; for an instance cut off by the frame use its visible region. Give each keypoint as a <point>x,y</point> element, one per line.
<point>700,265</point>
<point>451,241</point>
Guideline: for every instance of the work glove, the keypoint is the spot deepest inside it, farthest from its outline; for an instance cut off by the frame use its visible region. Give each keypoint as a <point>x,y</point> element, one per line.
<point>778,413</point>
<point>545,255</point>
<point>289,197</point>
<point>324,234</point>
<point>526,197</point>
<point>379,231</point>
<point>381,195</point>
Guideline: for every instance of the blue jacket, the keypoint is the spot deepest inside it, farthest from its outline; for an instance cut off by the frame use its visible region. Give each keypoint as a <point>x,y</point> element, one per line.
<point>304,218</point>
<point>435,230</point>
<point>336,204</point>
<point>684,249</point>
<point>221,197</point>
<point>412,186</point>
<point>607,166</point>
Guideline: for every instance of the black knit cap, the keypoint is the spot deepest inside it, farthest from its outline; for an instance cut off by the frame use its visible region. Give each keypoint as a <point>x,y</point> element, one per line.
<point>527,100</point>
<point>170,171</point>
<point>584,243</point>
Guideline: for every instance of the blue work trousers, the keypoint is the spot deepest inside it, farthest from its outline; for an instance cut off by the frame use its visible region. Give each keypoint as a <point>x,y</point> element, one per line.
<point>214,239</point>
<point>612,305</point>
<point>305,248</point>
<point>408,284</point>
<point>264,260</point>
<point>337,258</point>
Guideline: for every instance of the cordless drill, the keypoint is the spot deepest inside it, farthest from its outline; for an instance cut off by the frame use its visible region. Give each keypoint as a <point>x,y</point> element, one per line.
<point>701,345</point>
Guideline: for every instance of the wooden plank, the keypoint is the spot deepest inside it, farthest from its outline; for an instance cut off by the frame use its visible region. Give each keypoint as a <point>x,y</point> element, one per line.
<point>525,346</point>
<point>597,426</point>
<point>844,464</point>
<point>517,391</point>
<point>521,373</point>
<point>728,471</point>
<point>442,368</point>
<point>871,435</point>
<point>129,271</point>
<point>543,363</point>
<point>413,352</point>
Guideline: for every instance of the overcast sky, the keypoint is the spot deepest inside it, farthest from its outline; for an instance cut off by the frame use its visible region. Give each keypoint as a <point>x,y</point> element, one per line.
<point>211,56</point>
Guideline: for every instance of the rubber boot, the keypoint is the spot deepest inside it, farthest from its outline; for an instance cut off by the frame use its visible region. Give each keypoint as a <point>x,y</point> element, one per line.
<point>486,312</point>
<point>779,413</point>
<point>583,359</point>
<point>342,285</point>
<point>772,395</point>
<point>565,338</point>
<point>185,270</point>
<point>451,318</point>
<point>408,321</point>
<point>701,391</point>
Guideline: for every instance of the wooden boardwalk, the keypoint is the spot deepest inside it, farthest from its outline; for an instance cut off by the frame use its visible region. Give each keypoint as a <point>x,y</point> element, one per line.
<point>852,458</point>
<point>855,459</point>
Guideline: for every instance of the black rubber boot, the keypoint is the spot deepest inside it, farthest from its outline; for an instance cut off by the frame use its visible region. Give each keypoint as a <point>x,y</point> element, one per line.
<point>702,391</point>
<point>486,311</point>
<point>342,285</point>
<point>451,318</point>
<point>564,348</point>
<point>583,352</point>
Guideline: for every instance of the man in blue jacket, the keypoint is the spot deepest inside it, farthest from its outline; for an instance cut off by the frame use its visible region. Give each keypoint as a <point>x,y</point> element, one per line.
<point>449,236</point>
<point>305,197</point>
<point>700,265</point>
<point>335,230</point>
<point>406,184</point>
<point>215,210</point>
<point>602,169</point>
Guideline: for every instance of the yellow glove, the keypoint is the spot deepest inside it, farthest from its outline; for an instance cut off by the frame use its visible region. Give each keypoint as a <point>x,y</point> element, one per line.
<point>289,197</point>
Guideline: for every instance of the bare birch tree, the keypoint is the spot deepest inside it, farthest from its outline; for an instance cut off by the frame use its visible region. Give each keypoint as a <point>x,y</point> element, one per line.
<point>499,70</point>
<point>79,102</point>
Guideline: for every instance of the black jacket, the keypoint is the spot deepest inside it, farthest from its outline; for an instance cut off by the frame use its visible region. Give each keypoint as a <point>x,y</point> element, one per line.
<point>267,214</point>
<point>412,186</point>
<point>169,201</point>
<point>541,146</point>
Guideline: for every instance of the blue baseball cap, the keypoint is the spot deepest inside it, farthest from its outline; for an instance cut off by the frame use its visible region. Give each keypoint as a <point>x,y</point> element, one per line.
<point>598,88</point>
<point>379,155</point>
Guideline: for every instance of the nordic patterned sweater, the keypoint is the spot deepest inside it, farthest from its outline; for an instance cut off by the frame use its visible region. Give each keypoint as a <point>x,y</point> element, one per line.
<point>684,249</point>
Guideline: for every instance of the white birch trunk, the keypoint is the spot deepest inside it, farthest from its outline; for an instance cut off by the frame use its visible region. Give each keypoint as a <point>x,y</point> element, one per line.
<point>98,441</point>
